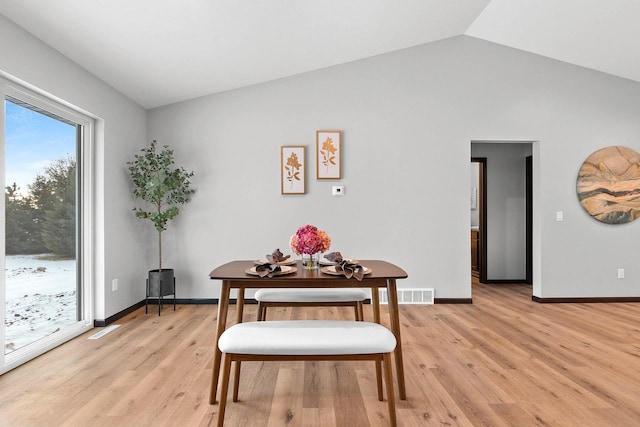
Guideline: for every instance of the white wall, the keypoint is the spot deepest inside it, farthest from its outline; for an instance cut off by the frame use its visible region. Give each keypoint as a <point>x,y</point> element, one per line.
<point>121,130</point>
<point>408,119</point>
<point>506,203</point>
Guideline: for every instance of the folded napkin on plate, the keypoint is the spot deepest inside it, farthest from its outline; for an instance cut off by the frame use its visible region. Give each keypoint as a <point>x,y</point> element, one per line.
<point>348,268</point>
<point>271,267</point>
<point>277,256</point>
<point>267,269</point>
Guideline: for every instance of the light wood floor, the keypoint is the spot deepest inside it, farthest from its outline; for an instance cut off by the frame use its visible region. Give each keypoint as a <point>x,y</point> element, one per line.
<point>502,361</point>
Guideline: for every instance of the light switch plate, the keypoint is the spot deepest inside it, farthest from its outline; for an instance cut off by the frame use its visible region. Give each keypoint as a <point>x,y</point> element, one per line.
<point>337,190</point>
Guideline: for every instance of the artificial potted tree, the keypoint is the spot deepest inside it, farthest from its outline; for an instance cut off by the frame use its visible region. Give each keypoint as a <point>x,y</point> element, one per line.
<point>163,188</point>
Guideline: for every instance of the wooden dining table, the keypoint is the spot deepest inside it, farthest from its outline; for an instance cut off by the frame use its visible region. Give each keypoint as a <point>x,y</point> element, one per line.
<point>238,275</point>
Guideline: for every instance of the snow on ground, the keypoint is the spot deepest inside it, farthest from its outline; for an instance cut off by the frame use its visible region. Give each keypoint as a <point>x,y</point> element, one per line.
<point>40,298</point>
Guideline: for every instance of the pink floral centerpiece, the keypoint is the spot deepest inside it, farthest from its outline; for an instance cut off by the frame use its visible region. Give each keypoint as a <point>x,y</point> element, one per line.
<point>308,241</point>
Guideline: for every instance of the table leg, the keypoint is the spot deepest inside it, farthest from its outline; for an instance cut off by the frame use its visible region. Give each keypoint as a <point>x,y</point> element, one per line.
<point>240,305</point>
<point>223,308</point>
<point>375,300</point>
<point>394,317</point>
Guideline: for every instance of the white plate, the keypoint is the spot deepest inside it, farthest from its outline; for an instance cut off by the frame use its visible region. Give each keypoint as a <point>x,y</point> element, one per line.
<point>283,270</point>
<point>289,261</point>
<point>332,270</point>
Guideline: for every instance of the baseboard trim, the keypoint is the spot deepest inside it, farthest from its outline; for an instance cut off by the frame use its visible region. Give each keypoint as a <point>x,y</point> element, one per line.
<point>202,301</point>
<point>504,281</point>
<point>584,300</point>
<point>211,301</point>
<point>453,301</point>
<point>98,323</point>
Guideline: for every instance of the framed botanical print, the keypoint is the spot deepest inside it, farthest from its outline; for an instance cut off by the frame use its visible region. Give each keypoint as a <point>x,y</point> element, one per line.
<point>292,169</point>
<point>328,154</point>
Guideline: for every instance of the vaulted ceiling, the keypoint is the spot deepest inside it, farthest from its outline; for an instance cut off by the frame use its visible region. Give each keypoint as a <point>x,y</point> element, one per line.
<point>158,52</point>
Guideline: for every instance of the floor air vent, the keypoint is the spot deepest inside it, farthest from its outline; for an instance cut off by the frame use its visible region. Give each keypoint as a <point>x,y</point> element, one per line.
<point>103,332</point>
<point>410,296</point>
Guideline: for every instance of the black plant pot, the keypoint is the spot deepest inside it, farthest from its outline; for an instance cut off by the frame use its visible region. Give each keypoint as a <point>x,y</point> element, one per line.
<point>160,283</point>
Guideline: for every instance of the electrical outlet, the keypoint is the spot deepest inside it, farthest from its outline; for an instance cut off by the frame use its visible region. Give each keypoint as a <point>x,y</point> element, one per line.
<point>114,285</point>
<point>621,273</point>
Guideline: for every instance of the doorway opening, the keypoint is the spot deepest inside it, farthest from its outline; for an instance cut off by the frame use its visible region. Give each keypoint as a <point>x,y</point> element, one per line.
<point>501,219</point>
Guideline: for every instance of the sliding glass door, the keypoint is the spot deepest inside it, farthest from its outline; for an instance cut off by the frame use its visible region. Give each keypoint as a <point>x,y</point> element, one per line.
<point>45,286</point>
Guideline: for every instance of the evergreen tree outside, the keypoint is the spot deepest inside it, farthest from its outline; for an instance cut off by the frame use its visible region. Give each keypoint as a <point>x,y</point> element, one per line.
<point>56,190</point>
<point>44,221</point>
<point>22,233</point>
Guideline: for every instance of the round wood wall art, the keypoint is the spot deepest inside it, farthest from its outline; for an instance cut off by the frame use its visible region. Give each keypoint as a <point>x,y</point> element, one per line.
<point>609,185</point>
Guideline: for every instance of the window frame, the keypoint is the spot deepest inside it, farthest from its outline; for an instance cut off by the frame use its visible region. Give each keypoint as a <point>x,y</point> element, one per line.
<point>84,215</point>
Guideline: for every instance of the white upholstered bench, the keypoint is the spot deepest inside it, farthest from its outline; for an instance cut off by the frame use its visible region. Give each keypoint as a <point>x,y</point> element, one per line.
<point>306,340</point>
<point>313,297</point>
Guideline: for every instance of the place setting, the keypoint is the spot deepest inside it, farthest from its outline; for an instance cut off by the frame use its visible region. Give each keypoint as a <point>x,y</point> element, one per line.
<point>274,264</point>
<point>334,264</point>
